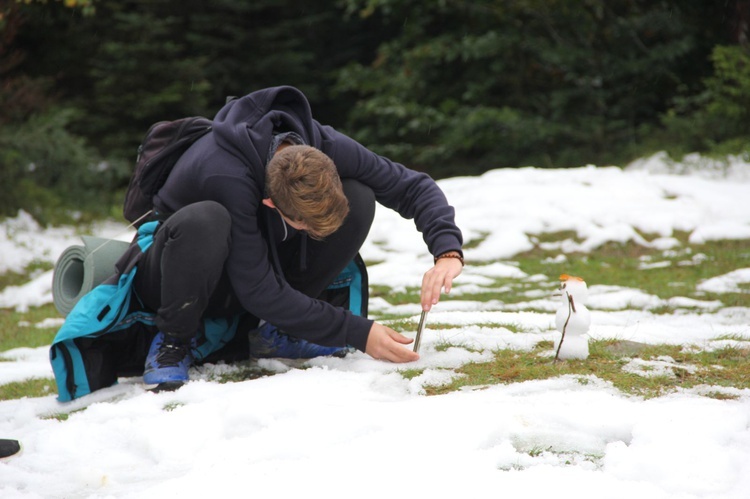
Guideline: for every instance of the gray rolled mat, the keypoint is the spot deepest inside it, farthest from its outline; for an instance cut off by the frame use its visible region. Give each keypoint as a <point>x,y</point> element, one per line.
<point>81,268</point>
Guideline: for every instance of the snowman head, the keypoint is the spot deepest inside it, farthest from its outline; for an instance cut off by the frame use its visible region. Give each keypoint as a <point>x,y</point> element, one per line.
<point>575,287</point>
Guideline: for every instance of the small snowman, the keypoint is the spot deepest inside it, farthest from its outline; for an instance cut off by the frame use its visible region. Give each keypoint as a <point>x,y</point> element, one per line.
<point>572,319</point>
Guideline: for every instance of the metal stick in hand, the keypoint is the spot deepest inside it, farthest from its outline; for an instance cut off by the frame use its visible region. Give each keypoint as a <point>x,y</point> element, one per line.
<point>419,331</point>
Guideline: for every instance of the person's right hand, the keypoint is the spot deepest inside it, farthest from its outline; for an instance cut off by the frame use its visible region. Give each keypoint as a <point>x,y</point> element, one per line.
<point>384,343</point>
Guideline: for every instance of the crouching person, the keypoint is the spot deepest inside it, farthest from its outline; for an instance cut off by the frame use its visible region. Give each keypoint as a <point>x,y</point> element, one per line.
<point>258,217</point>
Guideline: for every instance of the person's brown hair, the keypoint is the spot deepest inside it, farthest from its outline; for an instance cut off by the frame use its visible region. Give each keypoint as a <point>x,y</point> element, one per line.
<point>305,186</point>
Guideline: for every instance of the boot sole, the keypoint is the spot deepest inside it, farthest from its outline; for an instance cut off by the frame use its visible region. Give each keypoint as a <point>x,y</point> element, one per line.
<point>168,386</point>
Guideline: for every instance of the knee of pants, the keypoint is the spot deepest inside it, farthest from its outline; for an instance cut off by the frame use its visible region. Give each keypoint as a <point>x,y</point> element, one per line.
<point>361,202</point>
<point>207,220</point>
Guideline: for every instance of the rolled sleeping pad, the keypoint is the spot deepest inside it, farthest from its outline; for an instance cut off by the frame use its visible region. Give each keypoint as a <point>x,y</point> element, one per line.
<point>81,268</point>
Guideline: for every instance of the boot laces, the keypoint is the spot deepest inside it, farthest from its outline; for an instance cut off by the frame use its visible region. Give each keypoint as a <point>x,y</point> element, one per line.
<point>171,352</point>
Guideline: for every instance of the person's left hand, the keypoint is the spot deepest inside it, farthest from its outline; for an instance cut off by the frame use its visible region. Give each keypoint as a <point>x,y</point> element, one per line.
<point>438,278</point>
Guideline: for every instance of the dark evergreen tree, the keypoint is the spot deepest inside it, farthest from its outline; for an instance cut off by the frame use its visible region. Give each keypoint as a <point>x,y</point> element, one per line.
<point>449,86</point>
<point>467,86</point>
<point>136,62</point>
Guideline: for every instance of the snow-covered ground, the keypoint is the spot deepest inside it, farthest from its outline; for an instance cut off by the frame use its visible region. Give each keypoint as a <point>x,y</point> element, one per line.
<point>355,427</point>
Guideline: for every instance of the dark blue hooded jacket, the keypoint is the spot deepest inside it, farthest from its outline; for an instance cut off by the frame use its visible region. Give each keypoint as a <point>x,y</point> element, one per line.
<point>228,166</point>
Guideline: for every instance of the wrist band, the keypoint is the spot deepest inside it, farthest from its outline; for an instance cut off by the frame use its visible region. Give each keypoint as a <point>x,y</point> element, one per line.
<point>450,255</point>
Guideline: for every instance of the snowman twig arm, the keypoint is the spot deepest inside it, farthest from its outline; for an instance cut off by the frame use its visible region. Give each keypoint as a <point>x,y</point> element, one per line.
<point>571,309</point>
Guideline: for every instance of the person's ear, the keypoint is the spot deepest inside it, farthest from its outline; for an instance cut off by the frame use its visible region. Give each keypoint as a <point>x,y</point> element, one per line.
<point>268,202</point>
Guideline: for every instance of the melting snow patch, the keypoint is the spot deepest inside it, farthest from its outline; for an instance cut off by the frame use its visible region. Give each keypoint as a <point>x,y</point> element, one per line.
<point>662,366</point>
<point>727,283</point>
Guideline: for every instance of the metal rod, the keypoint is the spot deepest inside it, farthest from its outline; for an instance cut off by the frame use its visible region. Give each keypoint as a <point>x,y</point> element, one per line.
<point>419,331</point>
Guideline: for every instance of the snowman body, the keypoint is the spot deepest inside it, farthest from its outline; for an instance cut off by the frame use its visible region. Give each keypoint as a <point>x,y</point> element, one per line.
<point>572,319</point>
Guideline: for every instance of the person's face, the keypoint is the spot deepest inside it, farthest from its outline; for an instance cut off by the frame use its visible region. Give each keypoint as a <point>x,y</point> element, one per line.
<point>297,225</point>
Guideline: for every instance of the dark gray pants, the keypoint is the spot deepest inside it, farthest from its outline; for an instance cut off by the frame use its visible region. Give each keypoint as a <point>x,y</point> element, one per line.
<point>182,276</point>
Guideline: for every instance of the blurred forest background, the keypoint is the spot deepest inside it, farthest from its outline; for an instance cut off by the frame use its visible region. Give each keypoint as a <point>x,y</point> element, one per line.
<point>449,87</point>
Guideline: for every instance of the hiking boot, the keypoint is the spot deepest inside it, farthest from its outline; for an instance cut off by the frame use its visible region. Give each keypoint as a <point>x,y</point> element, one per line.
<point>168,360</point>
<point>267,341</point>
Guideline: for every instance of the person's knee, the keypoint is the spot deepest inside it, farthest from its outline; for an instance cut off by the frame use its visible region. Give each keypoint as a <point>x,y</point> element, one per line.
<point>209,213</point>
<point>205,220</point>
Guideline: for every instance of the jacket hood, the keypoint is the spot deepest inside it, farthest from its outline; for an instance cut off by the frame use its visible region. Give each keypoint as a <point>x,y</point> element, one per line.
<point>245,126</point>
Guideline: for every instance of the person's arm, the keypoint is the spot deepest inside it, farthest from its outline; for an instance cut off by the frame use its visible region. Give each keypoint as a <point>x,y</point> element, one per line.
<point>413,195</point>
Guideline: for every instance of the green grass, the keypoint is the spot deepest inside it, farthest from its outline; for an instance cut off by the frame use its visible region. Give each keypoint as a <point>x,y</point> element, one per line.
<point>716,372</point>
<point>19,278</point>
<point>410,373</point>
<point>244,372</point>
<point>17,329</point>
<point>727,367</point>
<point>394,297</point>
<point>35,387</point>
<point>620,264</point>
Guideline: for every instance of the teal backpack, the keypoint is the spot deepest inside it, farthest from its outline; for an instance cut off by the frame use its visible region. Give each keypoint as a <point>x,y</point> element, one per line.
<point>107,333</point>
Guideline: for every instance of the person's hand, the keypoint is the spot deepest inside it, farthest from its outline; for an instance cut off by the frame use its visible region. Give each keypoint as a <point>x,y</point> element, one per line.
<point>384,343</point>
<point>437,278</point>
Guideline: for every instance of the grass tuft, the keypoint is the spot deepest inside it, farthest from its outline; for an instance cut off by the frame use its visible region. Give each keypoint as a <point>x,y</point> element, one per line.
<point>34,387</point>
<point>19,328</point>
